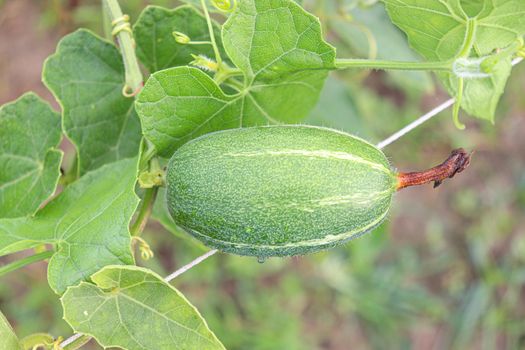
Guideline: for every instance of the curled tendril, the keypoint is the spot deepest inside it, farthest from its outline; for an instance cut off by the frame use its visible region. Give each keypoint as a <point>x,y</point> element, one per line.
<point>225,5</point>
<point>128,91</point>
<point>121,24</point>
<point>181,38</point>
<point>457,105</point>
<point>145,250</point>
<point>346,15</point>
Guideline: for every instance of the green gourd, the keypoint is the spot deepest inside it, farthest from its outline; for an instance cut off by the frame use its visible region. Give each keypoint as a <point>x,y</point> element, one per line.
<point>279,190</point>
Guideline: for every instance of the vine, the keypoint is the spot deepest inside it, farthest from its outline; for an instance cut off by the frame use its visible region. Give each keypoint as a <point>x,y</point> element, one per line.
<point>122,30</point>
<point>266,64</point>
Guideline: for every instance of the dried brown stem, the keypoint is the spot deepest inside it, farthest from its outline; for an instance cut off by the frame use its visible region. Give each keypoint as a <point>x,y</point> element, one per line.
<point>458,161</point>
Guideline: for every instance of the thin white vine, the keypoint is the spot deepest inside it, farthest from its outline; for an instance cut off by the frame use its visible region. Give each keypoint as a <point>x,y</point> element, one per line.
<point>70,340</point>
<point>419,121</point>
<point>189,266</point>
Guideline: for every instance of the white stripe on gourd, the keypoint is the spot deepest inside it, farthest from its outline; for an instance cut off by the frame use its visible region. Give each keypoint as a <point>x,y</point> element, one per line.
<point>317,154</point>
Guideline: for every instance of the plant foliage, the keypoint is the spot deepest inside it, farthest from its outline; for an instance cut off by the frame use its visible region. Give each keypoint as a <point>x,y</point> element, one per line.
<point>266,63</point>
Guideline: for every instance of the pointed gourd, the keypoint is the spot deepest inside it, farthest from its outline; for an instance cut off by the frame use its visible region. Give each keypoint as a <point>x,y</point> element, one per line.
<point>279,190</point>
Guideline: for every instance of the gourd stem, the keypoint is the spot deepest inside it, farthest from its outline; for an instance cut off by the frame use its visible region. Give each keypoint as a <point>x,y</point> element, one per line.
<point>344,63</point>
<point>458,161</point>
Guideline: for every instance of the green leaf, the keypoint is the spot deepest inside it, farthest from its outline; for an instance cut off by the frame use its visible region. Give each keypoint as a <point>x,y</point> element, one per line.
<point>8,338</point>
<point>133,308</point>
<point>273,39</point>
<point>280,51</point>
<point>88,222</point>
<point>29,156</point>
<point>156,46</point>
<point>438,29</point>
<point>86,75</point>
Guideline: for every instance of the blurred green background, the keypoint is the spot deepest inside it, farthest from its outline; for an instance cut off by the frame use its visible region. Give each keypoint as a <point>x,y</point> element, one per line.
<point>446,271</point>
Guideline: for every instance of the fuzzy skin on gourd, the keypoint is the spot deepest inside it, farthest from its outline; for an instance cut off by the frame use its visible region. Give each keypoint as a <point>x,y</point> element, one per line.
<point>278,190</point>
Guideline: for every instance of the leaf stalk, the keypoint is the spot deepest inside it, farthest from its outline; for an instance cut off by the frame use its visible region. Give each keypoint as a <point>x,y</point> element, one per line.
<point>345,63</point>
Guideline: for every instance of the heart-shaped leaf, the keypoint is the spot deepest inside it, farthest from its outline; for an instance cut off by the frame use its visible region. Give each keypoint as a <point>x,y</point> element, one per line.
<point>284,60</point>
<point>134,309</point>
<point>86,75</point>
<point>29,156</point>
<point>439,30</point>
<point>88,223</point>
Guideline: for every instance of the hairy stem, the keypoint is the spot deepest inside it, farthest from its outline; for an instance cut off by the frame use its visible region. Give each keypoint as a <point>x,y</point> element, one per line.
<point>25,261</point>
<point>122,30</point>
<point>458,161</point>
<point>345,63</point>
